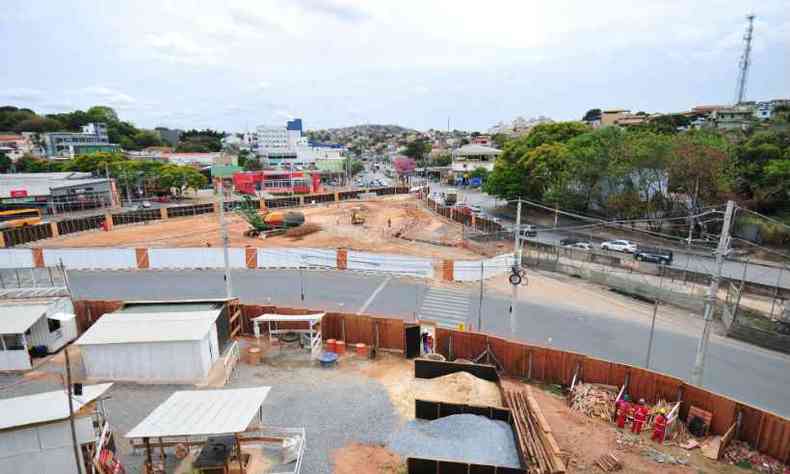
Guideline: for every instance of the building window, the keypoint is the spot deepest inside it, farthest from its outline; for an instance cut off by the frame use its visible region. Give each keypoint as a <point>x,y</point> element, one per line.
<point>54,324</point>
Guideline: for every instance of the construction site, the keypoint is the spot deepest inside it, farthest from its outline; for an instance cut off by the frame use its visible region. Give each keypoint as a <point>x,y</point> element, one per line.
<point>396,224</point>
<point>299,391</point>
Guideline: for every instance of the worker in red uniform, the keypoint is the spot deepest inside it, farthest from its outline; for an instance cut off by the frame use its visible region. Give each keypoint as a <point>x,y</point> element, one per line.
<point>622,409</point>
<point>659,426</point>
<point>640,416</point>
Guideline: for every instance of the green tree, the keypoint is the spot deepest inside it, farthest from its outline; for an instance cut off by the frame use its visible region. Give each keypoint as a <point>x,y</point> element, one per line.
<point>145,138</point>
<point>353,166</point>
<point>39,125</point>
<point>94,163</point>
<point>181,178</point>
<point>445,159</point>
<point>500,140</point>
<point>5,163</point>
<point>418,150</point>
<point>30,164</point>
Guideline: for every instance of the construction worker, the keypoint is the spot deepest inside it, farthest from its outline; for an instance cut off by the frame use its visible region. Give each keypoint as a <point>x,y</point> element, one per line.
<point>659,426</point>
<point>622,408</point>
<point>640,416</point>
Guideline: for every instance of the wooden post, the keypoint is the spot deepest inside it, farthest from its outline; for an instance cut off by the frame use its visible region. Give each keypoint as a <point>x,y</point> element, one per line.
<point>529,366</point>
<point>238,450</point>
<point>342,259</point>
<point>162,450</point>
<point>38,257</point>
<point>148,462</point>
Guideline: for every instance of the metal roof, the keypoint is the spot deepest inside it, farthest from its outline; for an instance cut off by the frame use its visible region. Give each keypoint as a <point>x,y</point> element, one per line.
<point>202,412</point>
<point>128,328</point>
<point>45,407</point>
<point>476,150</point>
<point>16,319</point>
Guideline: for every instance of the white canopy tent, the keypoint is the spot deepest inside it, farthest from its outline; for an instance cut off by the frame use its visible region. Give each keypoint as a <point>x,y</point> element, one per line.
<point>313,327</point>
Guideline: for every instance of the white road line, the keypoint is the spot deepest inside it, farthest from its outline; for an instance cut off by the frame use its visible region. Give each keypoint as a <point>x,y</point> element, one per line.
<point>374,294</point>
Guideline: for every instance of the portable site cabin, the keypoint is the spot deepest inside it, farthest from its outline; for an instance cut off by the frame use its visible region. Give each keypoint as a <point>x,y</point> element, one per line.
<point>35,436</point>
<point>156,342</point>
<point>41,326</point>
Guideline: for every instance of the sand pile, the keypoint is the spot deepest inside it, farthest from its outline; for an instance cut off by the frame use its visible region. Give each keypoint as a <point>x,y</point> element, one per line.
<point>460,387</point>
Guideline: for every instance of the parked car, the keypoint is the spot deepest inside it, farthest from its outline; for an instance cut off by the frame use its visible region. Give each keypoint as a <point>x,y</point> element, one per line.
<point>528,230</point>
<point>568,241</point>
<point>655,255</point>
<point>619,246</point>
<point>579,245</point>
<point>475,209</point>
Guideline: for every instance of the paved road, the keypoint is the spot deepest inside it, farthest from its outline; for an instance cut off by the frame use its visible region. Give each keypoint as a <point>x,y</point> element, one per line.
<point>753,375</point>
<point>734,269</point>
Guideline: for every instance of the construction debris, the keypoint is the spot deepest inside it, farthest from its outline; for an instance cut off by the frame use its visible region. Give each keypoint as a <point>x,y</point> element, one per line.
<point>627,441</point>
<point>609,463</point>
<point>739,454</point>
<point>533,432</point>
<point>594,400</point>
<point>662,458</point>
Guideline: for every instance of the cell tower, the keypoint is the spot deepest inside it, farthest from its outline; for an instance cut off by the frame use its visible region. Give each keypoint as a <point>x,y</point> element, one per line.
<point>746,60</point>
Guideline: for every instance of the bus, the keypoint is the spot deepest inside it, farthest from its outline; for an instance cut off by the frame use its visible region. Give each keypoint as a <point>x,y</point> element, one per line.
<point>19,218</point>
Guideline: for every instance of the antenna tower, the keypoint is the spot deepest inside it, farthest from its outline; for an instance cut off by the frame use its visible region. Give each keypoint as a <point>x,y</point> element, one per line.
<point>746,60</point>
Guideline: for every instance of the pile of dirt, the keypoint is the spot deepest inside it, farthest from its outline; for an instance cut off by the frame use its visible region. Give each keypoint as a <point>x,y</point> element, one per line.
<point>359,458</point>
<point>460,387</point>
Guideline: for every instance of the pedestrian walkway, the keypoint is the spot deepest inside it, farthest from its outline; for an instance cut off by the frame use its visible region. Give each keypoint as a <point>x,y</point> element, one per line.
<point>448,308</point>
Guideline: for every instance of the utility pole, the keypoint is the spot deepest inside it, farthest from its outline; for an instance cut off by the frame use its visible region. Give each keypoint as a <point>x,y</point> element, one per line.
<point>653,322</point>
<point>71,412</point>
<point>692,211</point>
<point>68,382</point>
<point>713,291</point>
<point>517,266</point>
<point>480,303</point>
<point>225,243</point>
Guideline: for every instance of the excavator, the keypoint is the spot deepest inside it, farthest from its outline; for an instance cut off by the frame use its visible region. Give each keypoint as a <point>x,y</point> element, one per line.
<point>267,223</point>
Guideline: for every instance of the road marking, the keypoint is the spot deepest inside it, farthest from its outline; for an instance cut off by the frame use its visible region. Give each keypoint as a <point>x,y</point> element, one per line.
<point>374,294</point>
<point>446,307</point>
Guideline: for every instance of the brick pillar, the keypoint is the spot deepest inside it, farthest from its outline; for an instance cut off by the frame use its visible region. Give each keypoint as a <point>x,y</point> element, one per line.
<point>342,259</point>
<point>474,221</point>
<point>108,221</point>
<point>447,270</point>
<point>142,258</point>
<point>163,212</point>
<point>251,257</point>
<point>301,201</point>
<point>262,204</point>
<point>54,227</point>
<point>2,239</point>
<point>38,257</point>
<point>337,196</point>
<point>216,207</point>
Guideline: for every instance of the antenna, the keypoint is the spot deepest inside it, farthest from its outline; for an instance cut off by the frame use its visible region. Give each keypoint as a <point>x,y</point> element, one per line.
<point>745,62</point>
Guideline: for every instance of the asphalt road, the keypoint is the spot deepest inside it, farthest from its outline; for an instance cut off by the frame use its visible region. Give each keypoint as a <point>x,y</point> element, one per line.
<point>733,269</point>
<point>745,373</point>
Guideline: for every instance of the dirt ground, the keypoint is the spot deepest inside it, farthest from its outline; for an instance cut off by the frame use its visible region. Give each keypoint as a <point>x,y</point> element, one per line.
<point>386,220</point>
<point>586,439</point>
<point>366,459</point>
<point>397,376</point>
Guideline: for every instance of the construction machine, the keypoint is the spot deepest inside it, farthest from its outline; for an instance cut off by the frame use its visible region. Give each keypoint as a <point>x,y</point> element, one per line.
<point>267,223</point>
<point>357,216</point>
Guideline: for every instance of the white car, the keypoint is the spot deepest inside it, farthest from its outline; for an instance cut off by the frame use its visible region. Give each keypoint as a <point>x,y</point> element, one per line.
<point>579,245</point>
<point>619,246</point>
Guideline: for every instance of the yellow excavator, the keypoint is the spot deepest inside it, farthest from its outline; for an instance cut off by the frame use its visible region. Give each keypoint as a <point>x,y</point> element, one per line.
<point>268,223</point>
<point>357,216</point>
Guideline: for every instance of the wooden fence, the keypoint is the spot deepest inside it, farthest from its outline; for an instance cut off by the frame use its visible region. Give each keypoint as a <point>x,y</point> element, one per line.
<point>764,431</point>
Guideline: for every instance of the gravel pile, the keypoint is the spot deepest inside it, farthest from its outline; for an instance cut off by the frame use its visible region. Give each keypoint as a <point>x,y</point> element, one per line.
<point>467,438</point>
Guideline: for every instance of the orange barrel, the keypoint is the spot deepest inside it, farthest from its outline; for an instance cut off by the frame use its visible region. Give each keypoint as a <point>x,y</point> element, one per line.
<point>340,347</point>
<point>331,345</point>
<point>254,355</point>
<point>362,350</point>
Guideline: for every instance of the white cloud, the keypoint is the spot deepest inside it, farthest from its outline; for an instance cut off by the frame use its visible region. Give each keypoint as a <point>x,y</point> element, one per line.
<point>263,85</point>
<point>181,48</point>
<point>21,93</point>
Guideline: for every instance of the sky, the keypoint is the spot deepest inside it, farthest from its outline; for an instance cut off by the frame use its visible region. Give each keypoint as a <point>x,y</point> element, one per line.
<point>236,64</point>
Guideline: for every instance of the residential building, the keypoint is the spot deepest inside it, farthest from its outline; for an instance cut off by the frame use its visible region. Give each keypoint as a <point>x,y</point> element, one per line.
<point>286,147</point>
<point>170,135</point>
<point>470,157</point>
<point>36,432</point>
<point>65,145</point>
<point>13,145</point>
<point>484,140</point>
<point>732,118</point>
<point>518,126</point>
<point>764,110</point>
<point>56,192</point>
<point>610,117</point>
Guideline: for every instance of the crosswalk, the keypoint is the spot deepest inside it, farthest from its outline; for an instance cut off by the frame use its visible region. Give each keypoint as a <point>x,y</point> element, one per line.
<point>447,307</point>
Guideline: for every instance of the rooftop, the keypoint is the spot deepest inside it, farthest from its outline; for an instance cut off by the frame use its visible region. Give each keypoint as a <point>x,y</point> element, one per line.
<point>17,318</point>
<point>130,327</point>
<point>476,150</point>
<point>41,184</point>
<point>205,412</point>
<point>45,407</point>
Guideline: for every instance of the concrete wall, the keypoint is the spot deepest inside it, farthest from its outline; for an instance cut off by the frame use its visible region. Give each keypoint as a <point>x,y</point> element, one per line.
<point>395,264</point>
<point>296,258</point>
<point>469,270</point>
<point>195,258</point>
<point>93,258</point>
<point>16,258</point>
